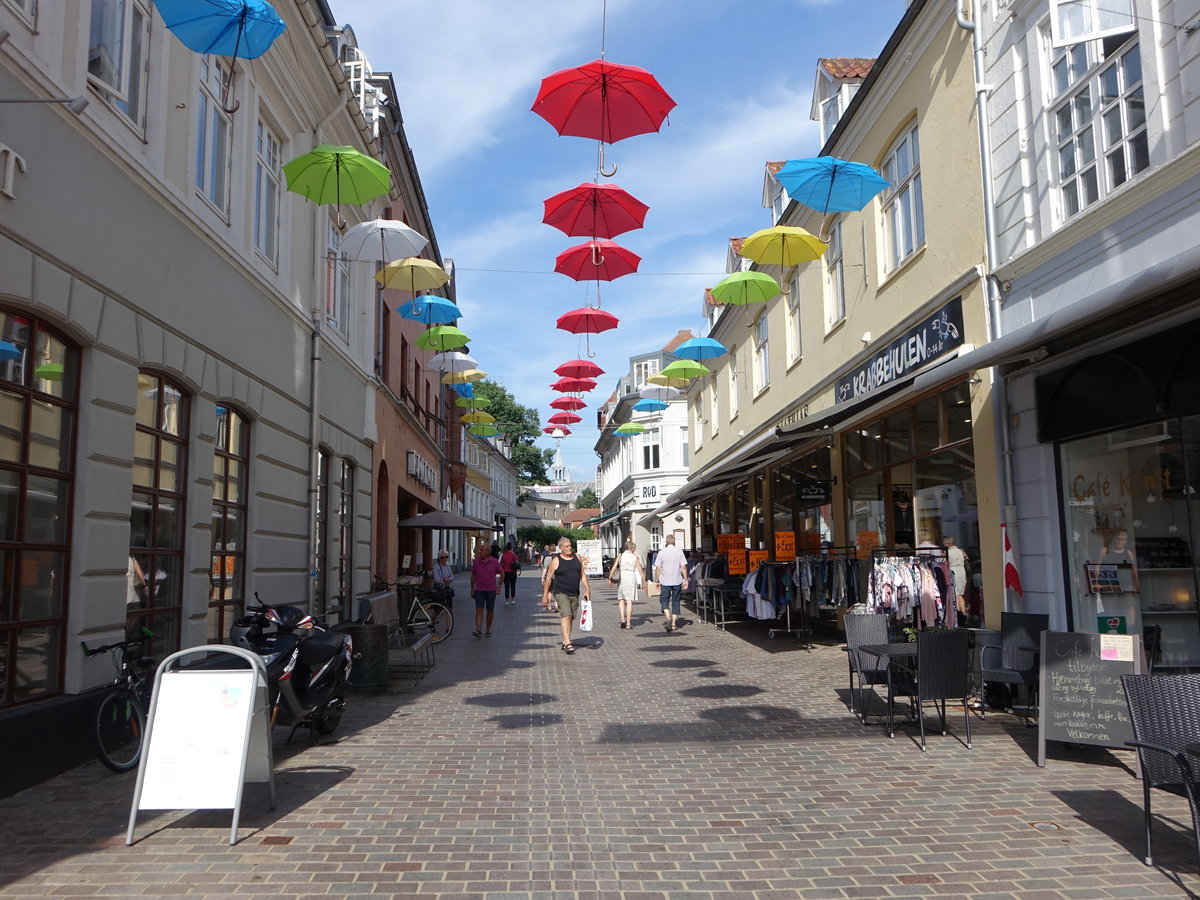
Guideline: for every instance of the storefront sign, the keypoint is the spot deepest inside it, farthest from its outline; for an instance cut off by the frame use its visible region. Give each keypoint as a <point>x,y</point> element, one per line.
<point>815,493</point>
<point>785,545</point>
<point>424,474</point>
<point>925,342</point>
<point>757,558</point>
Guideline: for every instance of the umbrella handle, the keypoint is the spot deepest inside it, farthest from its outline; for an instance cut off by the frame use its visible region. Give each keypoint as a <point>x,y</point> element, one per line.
<point>823,235</point>
<point>226,91</point>
<point>607,173</point>
<point>788,290</point>
<point>597,256</point>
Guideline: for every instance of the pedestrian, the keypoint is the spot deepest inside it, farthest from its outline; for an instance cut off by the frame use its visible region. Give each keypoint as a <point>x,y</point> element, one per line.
<point>670,571</point>
<point>627,573</point>
<point>548,556</point>
<point>485,582</point>
<point>443,579</point>
<point>510,565</point>
<point>566,581</point>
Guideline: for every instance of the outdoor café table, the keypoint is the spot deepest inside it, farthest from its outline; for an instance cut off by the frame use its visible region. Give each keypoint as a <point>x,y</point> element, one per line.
<point>893,653</point>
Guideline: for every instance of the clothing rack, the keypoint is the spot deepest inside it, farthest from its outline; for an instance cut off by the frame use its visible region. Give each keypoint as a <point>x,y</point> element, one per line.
<point>907,608</point>
<point>803,631</point>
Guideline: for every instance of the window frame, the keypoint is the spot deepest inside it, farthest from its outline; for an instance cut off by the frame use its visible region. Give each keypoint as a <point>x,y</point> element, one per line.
<point>794,342</point>
<point>651,449</point>
<point>214,137</point>
<point>734,399</point>
<point>902,208</point>
<point>835,278</point>
<point>127,93</point>
<point>223,609</point>
<point>268,193</point>
<point>337,287</point>
<point>762,357</point>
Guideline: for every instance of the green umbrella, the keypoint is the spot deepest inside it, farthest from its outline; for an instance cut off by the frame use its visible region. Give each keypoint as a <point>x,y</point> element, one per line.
<point>685,368</point>
<point>741,288</point>
<point>473,402</point>
<point>631,428</point>
<point>484,430</point>
<point>442,337</point>
<point>329,174</point>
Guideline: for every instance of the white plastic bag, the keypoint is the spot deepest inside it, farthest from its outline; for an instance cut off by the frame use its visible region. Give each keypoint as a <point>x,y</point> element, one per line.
<point>585,615</point>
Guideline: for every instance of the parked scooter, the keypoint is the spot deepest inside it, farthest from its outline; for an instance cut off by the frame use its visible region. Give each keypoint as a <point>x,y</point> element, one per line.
<point>307,665</point>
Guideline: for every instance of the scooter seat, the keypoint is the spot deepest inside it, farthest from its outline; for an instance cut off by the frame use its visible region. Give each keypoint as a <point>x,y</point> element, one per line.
<point>319,648</point>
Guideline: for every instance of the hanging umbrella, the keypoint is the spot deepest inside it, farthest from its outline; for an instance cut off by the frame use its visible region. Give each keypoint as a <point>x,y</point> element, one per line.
<point>49,371</point>
<point>567,403</point>
<point>828,184</point>
<point>742,288</point>
<point>483,430</point>
<point>412,274</point>
<point>464,377</point>
<point>649,405</point>
<point>463,389</point>
<point>9,351</point>
<point>700,348</point>
<point>579,368</point>
<point>631,428</point>
<point>452,361</point>
<point>241,29</point>
<point>557,430</point>
<point>672,381</point>
<point>782,245</point>
<point>330,174</point>
<point>685,368</point>
<point>659,393</point>
<point>586,320</point>
<point>473,402</point>
<point>573,385</point>
<point>478,417</point>
<point>381,240</point>
<point>595,211</point>
<point>596,260</point>
<point>564,418</point>
<point>442,337</point>
<point>430,309</point>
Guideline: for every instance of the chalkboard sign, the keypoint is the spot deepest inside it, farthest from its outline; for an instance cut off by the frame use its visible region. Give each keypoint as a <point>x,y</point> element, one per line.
<point>1082,700</point>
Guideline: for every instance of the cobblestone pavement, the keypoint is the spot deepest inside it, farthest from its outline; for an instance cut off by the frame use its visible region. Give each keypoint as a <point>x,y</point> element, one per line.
<point>647,765</point>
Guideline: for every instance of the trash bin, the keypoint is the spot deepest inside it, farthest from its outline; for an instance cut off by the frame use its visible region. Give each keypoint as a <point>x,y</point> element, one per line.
<point>370,669</point>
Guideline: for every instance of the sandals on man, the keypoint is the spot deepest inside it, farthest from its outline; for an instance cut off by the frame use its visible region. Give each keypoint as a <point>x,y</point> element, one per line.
<point>569,648</point>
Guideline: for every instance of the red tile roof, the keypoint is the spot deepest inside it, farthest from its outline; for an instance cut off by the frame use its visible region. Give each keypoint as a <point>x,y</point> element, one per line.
<point>847,66</point>
<point>580,515</point>
<point>685,334</point>
<point>774,167</point>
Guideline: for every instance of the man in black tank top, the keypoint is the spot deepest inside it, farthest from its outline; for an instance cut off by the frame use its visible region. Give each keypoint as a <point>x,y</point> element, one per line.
<point>566,580</point>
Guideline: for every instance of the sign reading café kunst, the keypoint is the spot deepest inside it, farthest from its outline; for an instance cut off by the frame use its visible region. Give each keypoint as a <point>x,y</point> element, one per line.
<point>936,336</point>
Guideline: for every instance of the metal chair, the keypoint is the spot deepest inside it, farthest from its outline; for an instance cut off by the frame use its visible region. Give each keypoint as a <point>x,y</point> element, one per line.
<point>1165,713</point>
<point>1015,660</point>
<point>870,670</point>
<point>942,674</point>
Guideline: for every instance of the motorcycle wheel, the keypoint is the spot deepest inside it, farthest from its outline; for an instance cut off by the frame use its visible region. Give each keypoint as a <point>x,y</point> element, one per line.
<point>328,719</point>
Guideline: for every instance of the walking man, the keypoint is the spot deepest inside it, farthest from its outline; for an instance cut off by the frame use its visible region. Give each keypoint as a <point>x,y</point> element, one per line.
<point>670,571</point>
<point>566,580</point>
<point>485,582</point>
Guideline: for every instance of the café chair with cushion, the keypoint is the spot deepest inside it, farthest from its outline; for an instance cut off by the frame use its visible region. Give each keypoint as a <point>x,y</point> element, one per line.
<point>870,670</point>
<point>1015,660</point>
<point>942,674</point>
<point>1165,713</point>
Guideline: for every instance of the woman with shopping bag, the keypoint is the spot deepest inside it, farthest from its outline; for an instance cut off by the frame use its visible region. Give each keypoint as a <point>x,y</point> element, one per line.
<point>627,574</point>
<point>567,580</point>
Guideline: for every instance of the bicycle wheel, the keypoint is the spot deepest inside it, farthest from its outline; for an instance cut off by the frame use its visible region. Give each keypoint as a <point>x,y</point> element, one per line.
<point>441,620</point>
<point>120,725</point>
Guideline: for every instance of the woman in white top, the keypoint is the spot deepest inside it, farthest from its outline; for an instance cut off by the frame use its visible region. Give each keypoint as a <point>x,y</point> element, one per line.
<point>627,573</point>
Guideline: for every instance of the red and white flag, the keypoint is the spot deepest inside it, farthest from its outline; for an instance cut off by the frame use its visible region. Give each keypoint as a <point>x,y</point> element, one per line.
<point>1012,578</point>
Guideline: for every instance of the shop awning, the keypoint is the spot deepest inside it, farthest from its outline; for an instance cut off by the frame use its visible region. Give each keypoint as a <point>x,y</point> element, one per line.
<point>598,519</point>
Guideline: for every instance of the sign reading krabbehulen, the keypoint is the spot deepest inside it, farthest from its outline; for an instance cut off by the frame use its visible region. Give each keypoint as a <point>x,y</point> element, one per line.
<point>921,344</point>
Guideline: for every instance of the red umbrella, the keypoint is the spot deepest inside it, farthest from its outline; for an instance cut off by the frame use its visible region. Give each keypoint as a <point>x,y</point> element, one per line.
<point>597,260</point>
<point>586,320</point>
<point>567,403</point>
<point>564,418</point>
<point>573,385</point>
<point>557,430</point>
<point>603,100</point>
<point>579,368</point>
<point>595,211</point>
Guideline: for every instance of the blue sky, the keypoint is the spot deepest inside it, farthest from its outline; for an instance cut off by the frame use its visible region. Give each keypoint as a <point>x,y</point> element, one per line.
<point>467,71</point>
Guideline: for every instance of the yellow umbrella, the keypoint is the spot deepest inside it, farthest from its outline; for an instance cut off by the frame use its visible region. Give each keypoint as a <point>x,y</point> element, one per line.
<point>464,377</point>
<point>478,417</point>
<point>782,245</point>
<point>412,274</point>
<point>669,381</point>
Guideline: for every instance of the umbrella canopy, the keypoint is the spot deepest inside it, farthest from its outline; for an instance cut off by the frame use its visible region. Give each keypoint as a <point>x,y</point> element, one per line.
<point>659,393</point>
<point>382,240</point>
<point>564,418</point>
<point>573,385</point>
<point>586,320</point>
<point>700,348</point>
<point>473,402</point>
<point>462,389</point>
<point>828,184</point>
<point>442,337</point>
<point>742,288</point>
<point>412,274</point>
<point>452,361</point>
<point>238,28</point>
<point>464,377</point>
<point>782,245</point>
<point>483,430</point>
<point>672,381</point>
<point>595,211</point>
<point>478,417</point>
<point>430,309</point>
<point>631,428</point>
<point>579,368</point>
<point>648,405</point>
<point>9,351</point>
<point>567,403</point>
<point>685,368</point>
<point>596,260</point>
<point>445,520</point>
<point>329,174</point>
<point>50,371</point>
<point>603,100</point>
<point>557,430</point>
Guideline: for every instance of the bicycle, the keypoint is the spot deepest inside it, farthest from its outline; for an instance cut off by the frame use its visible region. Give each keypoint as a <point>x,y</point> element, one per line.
<point>121,716</point>
<point>424,614</point>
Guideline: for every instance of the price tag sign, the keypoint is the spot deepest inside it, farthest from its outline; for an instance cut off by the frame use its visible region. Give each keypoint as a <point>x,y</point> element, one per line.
<point>757,558</point>
<point>809,542</point>
<point>731,543</point>
<point>785,545</point>
<point>866,541</point>
<point>737,562</point>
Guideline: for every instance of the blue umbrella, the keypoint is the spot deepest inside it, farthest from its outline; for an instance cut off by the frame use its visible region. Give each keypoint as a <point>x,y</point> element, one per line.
<point>699,349</point>
<point>430,309</point>
<point>9,351</point>
<point>828,184</point>
<point>648,405</point>
<point>464,390</point>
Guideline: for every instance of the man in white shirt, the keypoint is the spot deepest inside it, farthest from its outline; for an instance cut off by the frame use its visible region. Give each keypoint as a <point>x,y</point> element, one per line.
<point>670,571</point>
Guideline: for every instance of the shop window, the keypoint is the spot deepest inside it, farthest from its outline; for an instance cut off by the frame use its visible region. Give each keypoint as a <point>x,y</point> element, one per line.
<point>158,513</point>
<point>957,401</point>
<point>927,415</point>
<point>871,442</point>
<point>897,435</point>
<point>118,55</point>
<point>214,129</point>
<point>231,463</point>
<point>38,412</point>
<point>867,526</point>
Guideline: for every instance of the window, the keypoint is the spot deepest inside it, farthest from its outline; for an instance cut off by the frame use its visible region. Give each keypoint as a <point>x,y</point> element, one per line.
<point>655,540</point>
<point>642,371</point>
<point>683,446</point>
<point>345,561</point>
<point>266,192</point>
<point>794,338</point>
<point>118,58</point>
<point>231,462</point>
<point>320,568</point>
<point>1099,120</point>
<point>835,279</point>
<point>714,416</point>
<point>698,415</point>
<point>1084,20</point>
<point>733,387</point>
<point>903,210</point>
<point>831,114</point>
<point>651,445</point>
<point>213,128</point>
<point>38,411</point>
<point>762,362</point>
<point>157,529</point>
<point>337,287</point>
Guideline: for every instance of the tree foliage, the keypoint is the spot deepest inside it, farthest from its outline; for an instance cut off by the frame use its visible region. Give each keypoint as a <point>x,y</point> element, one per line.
<point>541,535</point>
<point>522,426</point>
<point>587,499</point>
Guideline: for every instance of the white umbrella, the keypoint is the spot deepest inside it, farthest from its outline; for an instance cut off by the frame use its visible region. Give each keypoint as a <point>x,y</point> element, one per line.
<point>659,393</point>
<point>382,240</point>
<point>452,361</point>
